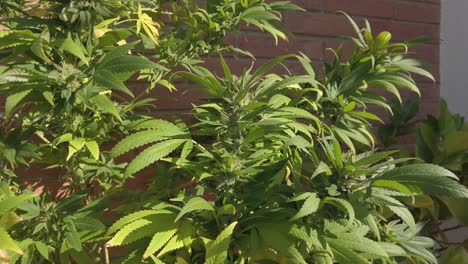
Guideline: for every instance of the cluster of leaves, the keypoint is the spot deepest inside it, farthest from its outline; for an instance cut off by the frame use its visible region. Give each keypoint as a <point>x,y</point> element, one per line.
<point>344,94</point>
<point>440,140</point>
<point>274,169</point>
<point>64,67</point>
<point>270,182</point>
<point>401,123</point>
<point>9,202</point>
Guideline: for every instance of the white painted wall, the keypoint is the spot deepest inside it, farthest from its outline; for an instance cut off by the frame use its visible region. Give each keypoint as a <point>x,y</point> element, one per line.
<point>454,55</point>
<point>454,72</point>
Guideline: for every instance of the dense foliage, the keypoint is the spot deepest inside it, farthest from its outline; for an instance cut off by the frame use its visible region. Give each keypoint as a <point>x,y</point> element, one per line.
<point>273,169</point>
<point>443,141</point>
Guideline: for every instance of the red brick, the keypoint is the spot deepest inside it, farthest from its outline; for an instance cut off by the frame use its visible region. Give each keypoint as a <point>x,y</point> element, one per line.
<point>426,53</point>
<point>426,108</point>
<point>433,69</point>
<point>406,139</point>
<point>242,64</point>
<point>237,66</point>
<point>308,4</point>
<point>409,148</point>
<point>295,67</point>
<point>419,12</point>
<point>263,46</point>
<point>402,31</point>
<point>334,44</point>
<point>368,8</point>
<point>231,39</point>
<point>381,112</point>
<point>317,24</point>
<point>185,115</point>
<point>430,2</point>
<point>430,92</point>
<point>311,47</point>
<point>181,99</point>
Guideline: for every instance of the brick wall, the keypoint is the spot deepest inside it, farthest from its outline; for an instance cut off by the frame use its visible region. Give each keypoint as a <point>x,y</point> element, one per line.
<point>318,28</point>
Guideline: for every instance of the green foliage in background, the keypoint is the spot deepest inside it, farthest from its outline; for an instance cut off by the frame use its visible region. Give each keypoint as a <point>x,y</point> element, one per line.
<point>274,168</point>
<point>443,141</point>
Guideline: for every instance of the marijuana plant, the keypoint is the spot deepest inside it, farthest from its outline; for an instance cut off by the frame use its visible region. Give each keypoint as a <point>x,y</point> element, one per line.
<point>271,183</point>
<point>272,170</point>
<point>64,70</point>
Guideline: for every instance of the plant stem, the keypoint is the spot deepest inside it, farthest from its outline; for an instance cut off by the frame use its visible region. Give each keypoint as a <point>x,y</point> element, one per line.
<point>106,255</point>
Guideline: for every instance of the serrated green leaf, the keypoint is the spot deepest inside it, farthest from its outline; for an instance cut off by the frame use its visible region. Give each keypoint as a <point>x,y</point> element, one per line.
<point>12,202</point>
<point>132,218</point>
<point>43,249</point>
<point>217,250</point>
<point>309,207</point>
<point>88,223</point>
<point>127,64</point>
<point>321,168</point>
<point>153,154</point>
<point>117,52</point>
<point>267,89</point>
<point>12,38</point>
<point>194,204</point>
<point>105,104</point>
<point>393,185</point>
<point>74,47</point>
<point>141,138</point>
<point>9,219</point>
<point>158,241</point>
<point>405,215</point>
<point>431,179</point>
<point>74,146</point>
<point>49,96</point>
<point>392,249</point>
<point>37,47</point>
<point>159,223</point>
<point>343,205</point>
<point>72,238</point>
<point>360,245</point>
<point>119,238</point>
<point>345,255</point>
<point>421,253</point>
<point>6,242</point>
<point>152,123</point>
<point>173,244</point>
<point>14,99</point>
<point>213,88</point>
<point>93,148</point>
<point>372,158</point>
<point>110,81</point>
